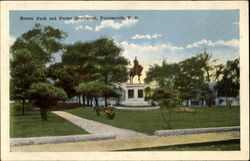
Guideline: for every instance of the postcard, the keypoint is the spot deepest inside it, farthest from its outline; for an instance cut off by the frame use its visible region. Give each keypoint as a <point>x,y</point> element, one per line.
<point>124,80</point>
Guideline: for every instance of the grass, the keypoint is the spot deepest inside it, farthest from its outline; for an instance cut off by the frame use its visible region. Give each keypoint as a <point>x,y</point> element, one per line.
<point>150,121</point>
<point>214,146</point>
<point>31,125</point>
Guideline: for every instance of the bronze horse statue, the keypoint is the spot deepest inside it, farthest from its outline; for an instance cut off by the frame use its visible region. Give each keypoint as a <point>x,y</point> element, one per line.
<point>136,70</point>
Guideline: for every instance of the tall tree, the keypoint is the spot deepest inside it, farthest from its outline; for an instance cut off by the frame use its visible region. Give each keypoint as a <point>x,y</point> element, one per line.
<point>79,60</point>
<point>30,54</point>
<point>191,77</point>
<point>110,64</point>
<point>229,85</point>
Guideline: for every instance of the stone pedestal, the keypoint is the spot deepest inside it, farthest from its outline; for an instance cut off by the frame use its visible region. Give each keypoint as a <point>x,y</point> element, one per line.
<point>134,95</point>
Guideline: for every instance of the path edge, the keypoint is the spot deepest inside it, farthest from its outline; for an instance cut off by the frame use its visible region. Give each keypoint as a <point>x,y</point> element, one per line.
<point>59,139</point>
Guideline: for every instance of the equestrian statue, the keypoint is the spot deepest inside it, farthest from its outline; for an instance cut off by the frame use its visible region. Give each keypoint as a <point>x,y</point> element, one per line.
<point>136,70</point>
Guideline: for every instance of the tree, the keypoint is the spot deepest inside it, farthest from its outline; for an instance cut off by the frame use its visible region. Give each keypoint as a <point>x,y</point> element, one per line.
<point>168,98</point>
<point>25,70</point>
<point>30,54</point>
<point>79,59</point>
<point>63,77</point>
<point>190,78</point>
<point>45,95</point>
<point>229,85</point>
<point>99,60</point>
<point>211,74</point>
<point>162,75</point>
<point>110,63</point>
<point>165,91</point>
<point>95,90</point>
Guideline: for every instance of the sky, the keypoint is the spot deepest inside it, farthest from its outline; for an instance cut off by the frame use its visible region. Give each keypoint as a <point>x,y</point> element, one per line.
<point>150,35</point>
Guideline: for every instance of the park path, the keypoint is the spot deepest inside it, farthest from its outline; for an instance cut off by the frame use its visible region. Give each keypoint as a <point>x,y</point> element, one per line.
<point>95,127</point>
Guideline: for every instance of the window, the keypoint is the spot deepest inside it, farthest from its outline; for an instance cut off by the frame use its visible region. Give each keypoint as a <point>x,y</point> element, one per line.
<point>130,93</point>
<point>140,93</point>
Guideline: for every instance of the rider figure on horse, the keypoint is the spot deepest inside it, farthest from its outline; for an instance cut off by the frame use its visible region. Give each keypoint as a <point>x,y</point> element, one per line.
<point>136,63</point>
<point>136,70</point>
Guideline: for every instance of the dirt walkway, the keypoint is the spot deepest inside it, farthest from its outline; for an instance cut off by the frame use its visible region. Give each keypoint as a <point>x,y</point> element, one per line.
<point>95,127</point>
<point>130,143</point>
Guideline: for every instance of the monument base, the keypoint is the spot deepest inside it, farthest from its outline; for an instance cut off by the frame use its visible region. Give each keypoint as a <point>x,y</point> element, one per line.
<point>135,95</point>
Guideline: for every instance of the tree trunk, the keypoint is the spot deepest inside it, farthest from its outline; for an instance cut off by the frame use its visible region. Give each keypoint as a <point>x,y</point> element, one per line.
<point>87,101</point>
<point>83,99</point>
<point>96,102</point>
<point>105,97</point>
<point>169,118</point>
<point>23,105</point>
<point>106,101</point>
<point>91,102</point>
<point>97,109</point>
<point>79,98</point>
<point>118,101</point>
<point>43,113</point>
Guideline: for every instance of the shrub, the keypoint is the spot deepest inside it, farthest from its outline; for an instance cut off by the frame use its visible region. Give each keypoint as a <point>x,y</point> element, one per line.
<point>46,95</point>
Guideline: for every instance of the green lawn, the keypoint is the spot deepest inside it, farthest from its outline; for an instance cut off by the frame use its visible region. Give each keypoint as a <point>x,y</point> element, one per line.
<point>31,125</point>
<point>216,146</point>
<point>150,121</point>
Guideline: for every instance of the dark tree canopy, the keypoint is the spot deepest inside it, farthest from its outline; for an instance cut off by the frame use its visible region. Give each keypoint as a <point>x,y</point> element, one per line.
<point>192,77</point>
<point>100,60</point>
<point>30,54</point>
<point>229,85</point>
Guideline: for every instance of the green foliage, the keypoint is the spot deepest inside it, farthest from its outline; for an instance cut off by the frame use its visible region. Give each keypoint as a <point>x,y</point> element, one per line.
<point>63,77</point>
<point>45,95</point>
<point>92,89</point>
<point>97,64</point>
<point>30,54</point>
<point>191,77</point>
<point>167,99</point>
<point>229,85</point>
<point>79,58</point>
<point>110,62</point>
<point>97,89</point>
<point>162,75</point>
<point>41,41</point>
<point>207,94</point>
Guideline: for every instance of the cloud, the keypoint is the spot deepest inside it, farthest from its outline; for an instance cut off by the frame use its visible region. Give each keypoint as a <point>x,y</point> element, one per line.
<point>11,40</point>
<point>84,27</point>
<point>115,25</point>
<point>156,53</point>
<point>71,21</point>
<point>78,19</point>
<point>156,47</point>
<point>154,36</point>
<point>231,43</point>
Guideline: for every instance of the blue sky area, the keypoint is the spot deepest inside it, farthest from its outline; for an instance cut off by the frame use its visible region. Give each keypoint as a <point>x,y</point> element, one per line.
<point>156,35</point>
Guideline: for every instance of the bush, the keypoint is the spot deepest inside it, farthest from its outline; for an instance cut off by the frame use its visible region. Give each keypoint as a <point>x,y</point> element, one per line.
<point>46,95</point>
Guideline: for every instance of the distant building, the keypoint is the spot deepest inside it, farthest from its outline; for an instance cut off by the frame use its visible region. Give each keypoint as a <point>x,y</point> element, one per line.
<point>217,101</point>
